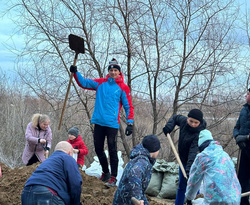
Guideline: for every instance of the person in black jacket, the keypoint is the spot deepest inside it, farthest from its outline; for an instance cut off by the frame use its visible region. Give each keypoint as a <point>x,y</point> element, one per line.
<point>190,128</point>
<point>241,133</point>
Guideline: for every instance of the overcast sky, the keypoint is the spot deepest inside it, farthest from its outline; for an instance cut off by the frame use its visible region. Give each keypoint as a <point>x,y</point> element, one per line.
<point>10,39</point>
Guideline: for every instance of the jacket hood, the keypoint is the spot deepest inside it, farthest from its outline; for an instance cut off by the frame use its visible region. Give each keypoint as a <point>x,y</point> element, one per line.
<point>213,149</point>
<point>120,79</point>
<point>246,105</point>
<point>79,138</point>
<point>139,150</point>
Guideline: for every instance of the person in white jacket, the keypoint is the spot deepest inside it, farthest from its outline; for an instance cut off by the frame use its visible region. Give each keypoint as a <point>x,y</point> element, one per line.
<point>215,168</point>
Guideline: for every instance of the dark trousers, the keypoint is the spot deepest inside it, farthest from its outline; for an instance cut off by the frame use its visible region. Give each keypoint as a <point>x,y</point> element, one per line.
<point>39,195</point>
<point>32,160</point>
<point>180,196</point>
<point>100,132</point>
<point>244,175</point>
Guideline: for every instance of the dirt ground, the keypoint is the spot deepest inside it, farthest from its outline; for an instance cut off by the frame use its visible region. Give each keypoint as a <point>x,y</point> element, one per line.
<point>94,191</point>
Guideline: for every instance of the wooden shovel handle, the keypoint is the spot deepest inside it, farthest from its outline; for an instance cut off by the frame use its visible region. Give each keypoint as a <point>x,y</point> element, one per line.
<point>177,156</point>
<point>238,162</point>
<point>135,201</point>
<point>46,154</point>
<point>67,94</point>
<point>245,194</point>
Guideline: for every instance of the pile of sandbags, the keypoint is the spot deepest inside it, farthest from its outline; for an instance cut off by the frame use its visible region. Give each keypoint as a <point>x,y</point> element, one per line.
<point>164,180</point>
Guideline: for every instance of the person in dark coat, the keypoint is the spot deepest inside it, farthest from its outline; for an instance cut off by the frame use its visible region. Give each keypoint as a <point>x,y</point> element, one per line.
<point>56,181</point>
<point>241,133</point>
<point>137,173</point>
<point>190,128</point>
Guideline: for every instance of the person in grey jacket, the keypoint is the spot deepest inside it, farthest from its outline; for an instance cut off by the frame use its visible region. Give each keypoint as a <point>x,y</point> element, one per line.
<point>241,133</point>
<point>38,138</point>
<point>190,128</point>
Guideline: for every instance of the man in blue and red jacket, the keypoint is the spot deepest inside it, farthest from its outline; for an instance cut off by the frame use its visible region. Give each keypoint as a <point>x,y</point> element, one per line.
<point>111,94</point>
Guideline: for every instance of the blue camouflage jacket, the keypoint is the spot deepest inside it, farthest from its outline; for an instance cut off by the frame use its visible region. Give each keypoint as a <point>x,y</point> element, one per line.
<point>135,178</point>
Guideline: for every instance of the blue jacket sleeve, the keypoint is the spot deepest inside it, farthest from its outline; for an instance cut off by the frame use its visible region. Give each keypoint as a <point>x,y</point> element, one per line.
<point>74,180</point>
<point>85,83</point>
<point>138,175</point>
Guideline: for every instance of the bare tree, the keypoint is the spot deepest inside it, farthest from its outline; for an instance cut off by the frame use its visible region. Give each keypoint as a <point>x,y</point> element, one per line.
<point>175,55</point>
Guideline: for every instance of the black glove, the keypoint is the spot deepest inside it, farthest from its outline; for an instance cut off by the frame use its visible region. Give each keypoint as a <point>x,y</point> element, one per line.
<point>242,145</point>
<point>129,130</point>
<point>189,202</point>
<point>241,141</point>
<point>241,138</point>
<point>73,69</point>
<point>165,130</point>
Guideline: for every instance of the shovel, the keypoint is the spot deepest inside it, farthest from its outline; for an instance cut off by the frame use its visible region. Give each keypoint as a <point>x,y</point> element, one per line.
<point>46,152</point>
<point>76,43</point>
<point>245,194</point>
<point>135,201</point>
<point>238,162</point>
<point>177,156</point>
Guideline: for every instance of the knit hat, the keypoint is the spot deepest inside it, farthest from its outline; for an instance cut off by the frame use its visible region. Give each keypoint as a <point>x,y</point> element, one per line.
<point>196,114</point>
<point>204,136</point>
<point>74,131</point>
<point>114,64</point>
<point>151,143</point>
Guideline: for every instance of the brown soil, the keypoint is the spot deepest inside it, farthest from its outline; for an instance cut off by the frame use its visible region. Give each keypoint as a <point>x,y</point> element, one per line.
<point>94,191</point>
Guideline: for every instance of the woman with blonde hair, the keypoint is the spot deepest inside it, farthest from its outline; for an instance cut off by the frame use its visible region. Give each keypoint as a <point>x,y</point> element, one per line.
<point>38,138</point>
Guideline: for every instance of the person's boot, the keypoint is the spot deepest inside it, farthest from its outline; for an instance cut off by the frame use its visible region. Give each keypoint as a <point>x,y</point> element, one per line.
<point>112,181</point>
<point>105,177</point>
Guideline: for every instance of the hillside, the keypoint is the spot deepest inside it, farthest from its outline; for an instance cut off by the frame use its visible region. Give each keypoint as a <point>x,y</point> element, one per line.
<point>94,191</point>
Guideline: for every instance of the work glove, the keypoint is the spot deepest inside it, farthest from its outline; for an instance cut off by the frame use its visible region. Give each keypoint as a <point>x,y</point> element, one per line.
<point>129,130</point>
<point>189,202</point>
<point>165,130</point>
<point>73,69</point>
<point>241,141</point>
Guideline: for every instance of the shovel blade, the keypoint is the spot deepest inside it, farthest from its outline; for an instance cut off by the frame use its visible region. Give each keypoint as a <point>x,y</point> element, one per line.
<point>76,43</point>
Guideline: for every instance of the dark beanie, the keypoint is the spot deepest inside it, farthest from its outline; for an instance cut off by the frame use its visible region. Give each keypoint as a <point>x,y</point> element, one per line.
<point>196,114</point>
<point>114,64</point>
<point>74,131</point>
<point>151,143</point>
